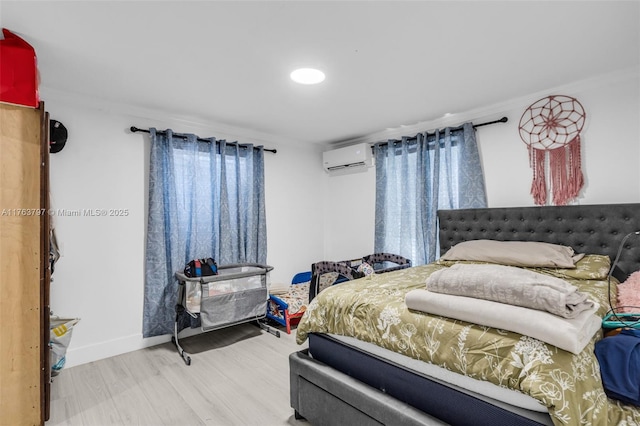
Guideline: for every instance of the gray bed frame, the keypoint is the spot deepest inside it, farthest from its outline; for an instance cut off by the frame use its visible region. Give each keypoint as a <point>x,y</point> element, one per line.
<point>325,396</point>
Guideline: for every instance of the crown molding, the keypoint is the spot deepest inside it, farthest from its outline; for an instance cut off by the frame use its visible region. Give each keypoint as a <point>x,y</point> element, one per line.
<point>491,112</point>
<point>191,123</point>
<point>487,113</point>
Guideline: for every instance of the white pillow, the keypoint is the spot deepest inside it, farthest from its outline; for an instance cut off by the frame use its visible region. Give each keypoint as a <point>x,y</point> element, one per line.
<point>515,253</point>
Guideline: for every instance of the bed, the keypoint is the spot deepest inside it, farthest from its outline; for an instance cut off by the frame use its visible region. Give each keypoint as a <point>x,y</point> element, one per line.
<point>459,372</point>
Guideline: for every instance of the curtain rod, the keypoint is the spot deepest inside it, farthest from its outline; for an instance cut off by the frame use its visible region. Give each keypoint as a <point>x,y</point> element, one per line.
<point>135,129</point>
<point>502,120</point>
<point>475,126</point>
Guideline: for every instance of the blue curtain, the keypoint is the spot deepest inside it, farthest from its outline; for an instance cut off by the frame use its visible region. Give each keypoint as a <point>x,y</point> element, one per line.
<point>417,176</point>
<point>206,199</point>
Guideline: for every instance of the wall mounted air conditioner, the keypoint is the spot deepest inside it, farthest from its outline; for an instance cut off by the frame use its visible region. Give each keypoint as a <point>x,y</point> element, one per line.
<point>354,158</point>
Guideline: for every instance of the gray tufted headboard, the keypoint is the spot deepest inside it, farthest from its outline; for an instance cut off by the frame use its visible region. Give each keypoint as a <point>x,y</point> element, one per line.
<point>590,229</point>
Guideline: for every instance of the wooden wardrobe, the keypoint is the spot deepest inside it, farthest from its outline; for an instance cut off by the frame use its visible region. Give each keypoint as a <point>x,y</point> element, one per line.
<point>24,265</point>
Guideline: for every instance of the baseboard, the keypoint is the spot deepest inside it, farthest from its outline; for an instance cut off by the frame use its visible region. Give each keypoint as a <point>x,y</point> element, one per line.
<point>90,353</point>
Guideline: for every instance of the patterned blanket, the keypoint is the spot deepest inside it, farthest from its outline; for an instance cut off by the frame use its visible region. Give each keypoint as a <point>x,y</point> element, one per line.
<point>373,309</point>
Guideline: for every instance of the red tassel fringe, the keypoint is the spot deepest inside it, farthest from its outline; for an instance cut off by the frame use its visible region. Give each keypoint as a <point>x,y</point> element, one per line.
<point>539,185</point>
<point>565,167</point>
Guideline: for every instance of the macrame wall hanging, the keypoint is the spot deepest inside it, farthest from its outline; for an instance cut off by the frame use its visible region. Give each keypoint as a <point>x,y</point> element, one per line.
<point>553,125</point>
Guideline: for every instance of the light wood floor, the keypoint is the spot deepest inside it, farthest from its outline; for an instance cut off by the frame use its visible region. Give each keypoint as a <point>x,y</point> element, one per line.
<point>238,376</point>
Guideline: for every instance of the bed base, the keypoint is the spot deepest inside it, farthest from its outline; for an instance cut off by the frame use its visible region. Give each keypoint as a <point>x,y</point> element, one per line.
<point>325,396</point>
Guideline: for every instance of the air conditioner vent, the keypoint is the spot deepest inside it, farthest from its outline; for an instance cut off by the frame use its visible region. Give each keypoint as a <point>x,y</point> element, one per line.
<point>350,158</point>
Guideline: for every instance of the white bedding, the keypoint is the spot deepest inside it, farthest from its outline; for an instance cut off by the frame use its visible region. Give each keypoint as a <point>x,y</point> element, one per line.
<point>569,334</point>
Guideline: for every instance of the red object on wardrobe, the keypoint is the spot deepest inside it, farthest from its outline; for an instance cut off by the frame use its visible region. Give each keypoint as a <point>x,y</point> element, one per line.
<point>18,71</point>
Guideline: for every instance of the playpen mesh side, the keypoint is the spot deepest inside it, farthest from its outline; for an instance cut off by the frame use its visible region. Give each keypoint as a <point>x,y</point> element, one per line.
<point>225,309</point>
<point>346,269</point>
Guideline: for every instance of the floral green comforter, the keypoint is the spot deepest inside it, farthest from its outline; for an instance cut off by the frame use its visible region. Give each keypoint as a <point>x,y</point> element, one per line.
<point>372,309</point>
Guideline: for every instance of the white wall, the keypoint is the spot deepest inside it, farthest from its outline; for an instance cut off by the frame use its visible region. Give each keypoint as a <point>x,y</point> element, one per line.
<point>610,144</point>
<point>100,276</point>
<point>295,222</point>
<point>310,216</point>
<point>610,154</point>
<point>348,209</point>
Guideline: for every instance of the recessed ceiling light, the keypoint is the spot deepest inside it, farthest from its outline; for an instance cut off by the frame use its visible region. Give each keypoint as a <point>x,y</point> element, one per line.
<point>307,76</point>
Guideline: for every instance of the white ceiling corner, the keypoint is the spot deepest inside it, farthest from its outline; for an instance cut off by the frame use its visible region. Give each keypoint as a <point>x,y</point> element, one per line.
<point>388,64</point>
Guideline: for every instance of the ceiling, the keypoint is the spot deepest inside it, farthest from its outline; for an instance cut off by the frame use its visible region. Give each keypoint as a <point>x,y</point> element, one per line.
<point>388,63</point>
